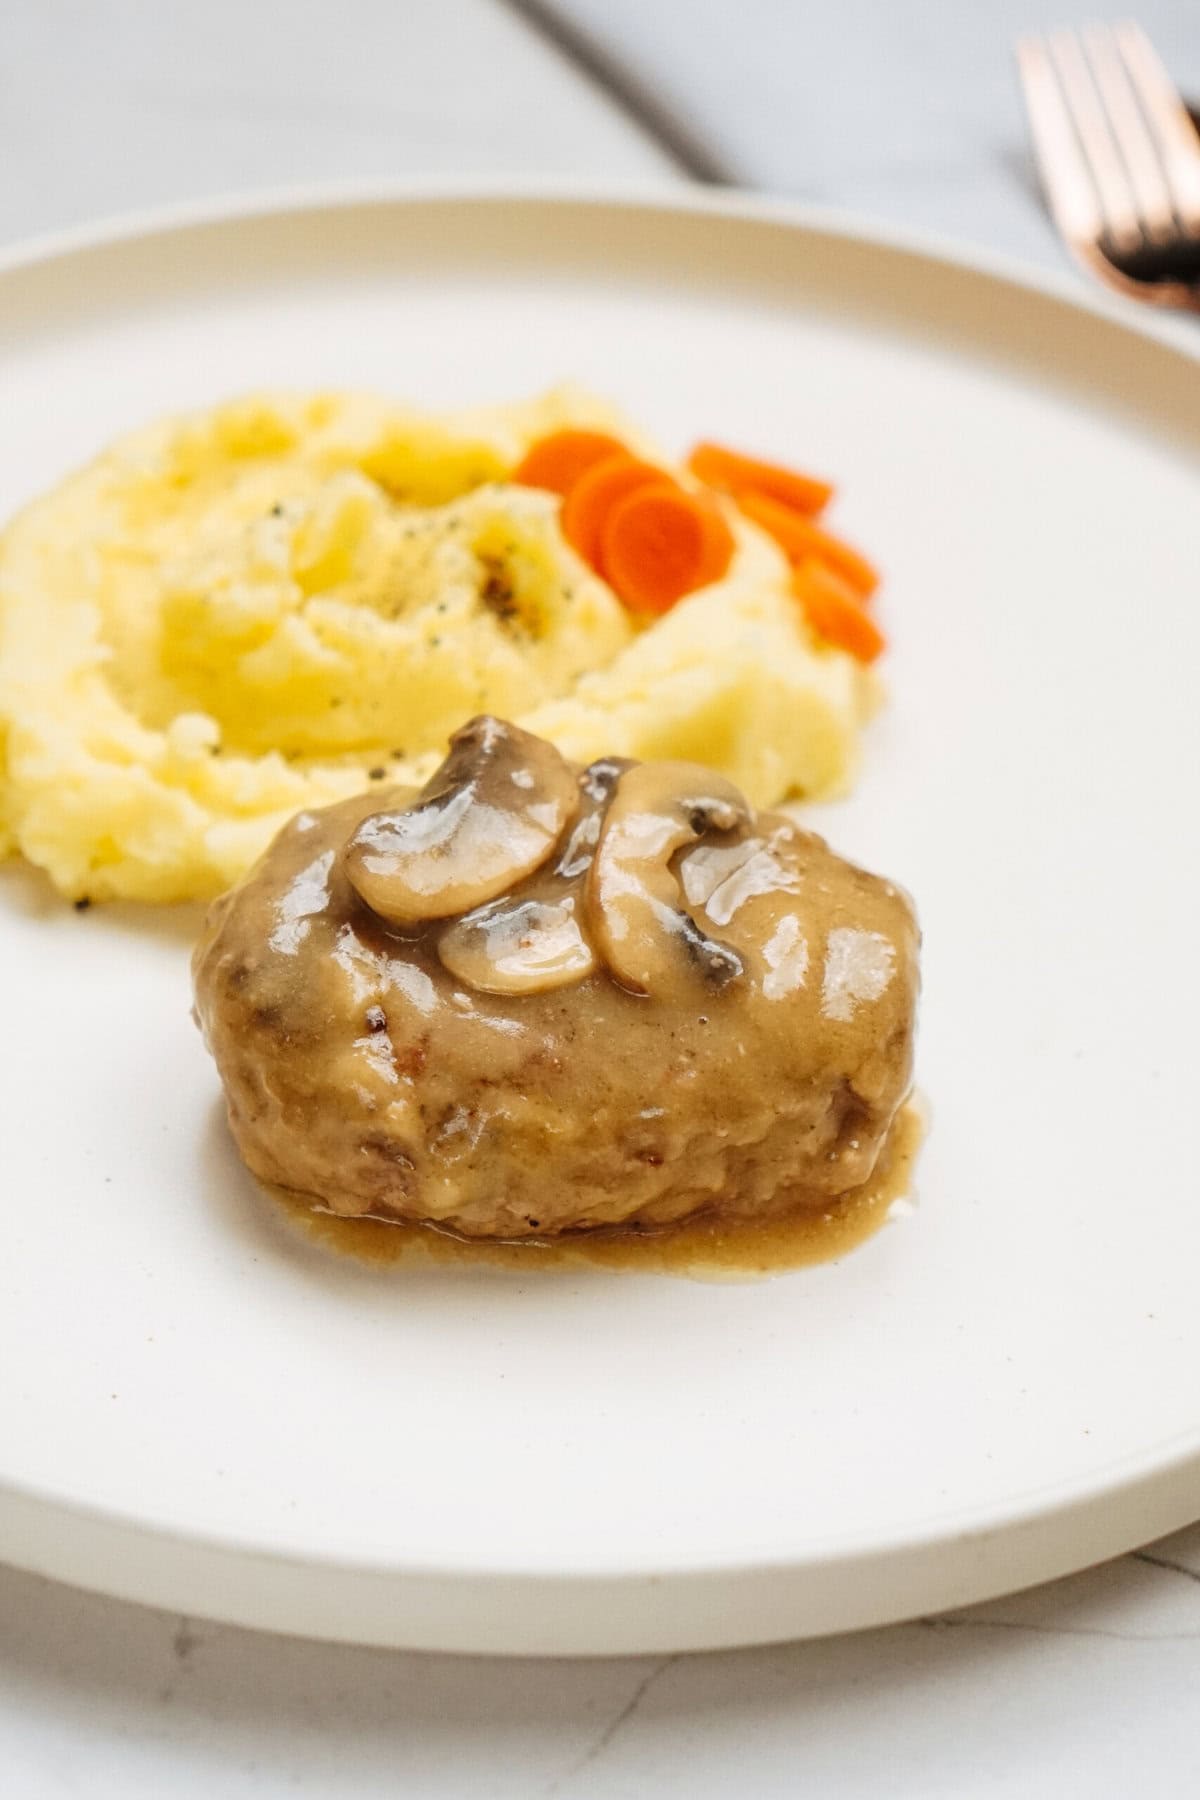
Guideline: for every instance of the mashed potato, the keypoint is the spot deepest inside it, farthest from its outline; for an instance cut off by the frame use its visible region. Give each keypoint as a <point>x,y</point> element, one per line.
<point>231,616</point>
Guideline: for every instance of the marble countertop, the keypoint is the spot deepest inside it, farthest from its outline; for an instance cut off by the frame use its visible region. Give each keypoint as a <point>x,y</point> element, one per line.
<point>1092,1683</point>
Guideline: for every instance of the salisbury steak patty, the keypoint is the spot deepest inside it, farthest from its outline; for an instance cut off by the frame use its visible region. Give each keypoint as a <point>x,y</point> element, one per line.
<point>532,999</point>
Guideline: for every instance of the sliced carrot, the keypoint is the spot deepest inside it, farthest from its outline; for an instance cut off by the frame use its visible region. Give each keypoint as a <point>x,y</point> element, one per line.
<point>735,473</point>
<point>799,539</point>
<point>836,612</point>
<point>588,504</point>
<point>556,462</point>
<point>660,543</point>
<point>719,541</point>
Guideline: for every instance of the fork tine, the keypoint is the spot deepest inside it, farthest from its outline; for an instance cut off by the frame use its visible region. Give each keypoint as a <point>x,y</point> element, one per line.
<point>1143,166</point>
<point>1065,177</point>
<point>1090,122</point>
<point>1169,121</point>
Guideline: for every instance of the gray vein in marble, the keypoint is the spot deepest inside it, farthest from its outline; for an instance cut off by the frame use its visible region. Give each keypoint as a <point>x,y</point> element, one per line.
<point>600,1744</point>
<point>184,1639</point>
<point>1166,1562</point>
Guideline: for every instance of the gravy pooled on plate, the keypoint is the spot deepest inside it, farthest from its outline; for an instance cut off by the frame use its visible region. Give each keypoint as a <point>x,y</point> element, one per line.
<point>530,999</point>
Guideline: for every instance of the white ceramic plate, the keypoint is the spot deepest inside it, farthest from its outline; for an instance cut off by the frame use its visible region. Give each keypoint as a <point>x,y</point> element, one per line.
<point>200,1411</point>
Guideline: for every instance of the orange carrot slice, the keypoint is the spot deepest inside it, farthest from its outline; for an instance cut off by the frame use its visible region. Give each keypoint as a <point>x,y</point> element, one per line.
<point>557,462</point>
<point>799,538</point>
<point>735,473</point>
<point>660,543</point>
<point>588,504</point>
<point>836,613</point>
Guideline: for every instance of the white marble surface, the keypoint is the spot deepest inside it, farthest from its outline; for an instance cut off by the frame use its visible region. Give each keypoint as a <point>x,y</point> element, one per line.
<point>908,110</point>
<point>111,105</point>
<point>1090,1684</point>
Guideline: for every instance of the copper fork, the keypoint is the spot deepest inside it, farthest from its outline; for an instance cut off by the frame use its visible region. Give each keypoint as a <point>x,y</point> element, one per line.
<point>1120,159</point>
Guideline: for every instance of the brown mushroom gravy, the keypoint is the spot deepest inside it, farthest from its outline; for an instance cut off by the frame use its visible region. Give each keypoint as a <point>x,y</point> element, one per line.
<point>709,1246</point>
<point>532,1000</point>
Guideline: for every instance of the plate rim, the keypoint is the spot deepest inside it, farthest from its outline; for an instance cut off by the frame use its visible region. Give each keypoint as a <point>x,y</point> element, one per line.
<point>271,201</point>
<point>1060,1528</point>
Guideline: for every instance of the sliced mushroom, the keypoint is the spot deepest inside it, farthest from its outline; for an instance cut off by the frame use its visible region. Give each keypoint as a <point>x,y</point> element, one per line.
<point>531,941</point>
<point>650,942</point>
<point>487,818</point>
<point>522,945</point>
<point>597,785</point>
